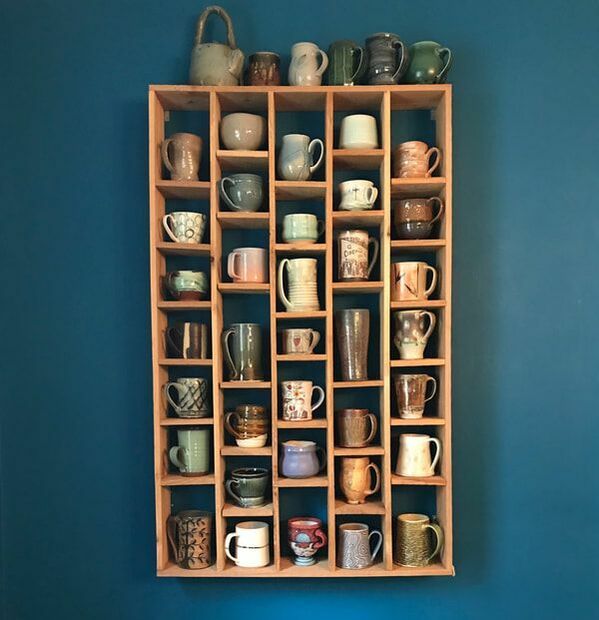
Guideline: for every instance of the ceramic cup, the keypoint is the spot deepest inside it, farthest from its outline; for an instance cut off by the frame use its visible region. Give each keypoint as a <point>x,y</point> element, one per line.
<point>247,486</point>
<point>413,218</point>
<point>413,160</point>
<point>302,228</point>
<point>358,131</point>
<point>302,295</point>
<point>305,536</point>
<point>187,340</point>
<point>429,63</point>
<point>413,542</point>
<point>242,192</point>
<point>347,63</point>
<point>410,394</point>
<point>411,335</point>
<point>414,458</point>
<point>248,265</point>
<point>189,534</point>
<point>387,58</point>
<point>353,546</point>
<point>242,349</point>
<point>300,459</point>
<point>355,478</point>
<point>252,547</point>
<point>192,452</point>
<point>188,396</point>
<point>181,156</point>
<point>264,69</point>
<point>296,157</point>
<point>307,65</point>
<point>357,195</point>
<point>355,428</point>
<point>242,132</point>
<point>186,285</point>
<point>297,399</point>
<point>298,340</point>
<point>352,327</point>
<point>408,281</point>
<point>249,425</point>
<point>352,248</point>
<point>184,226</point>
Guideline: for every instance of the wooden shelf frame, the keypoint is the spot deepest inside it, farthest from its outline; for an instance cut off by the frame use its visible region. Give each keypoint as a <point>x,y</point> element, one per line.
<point>216,101</point>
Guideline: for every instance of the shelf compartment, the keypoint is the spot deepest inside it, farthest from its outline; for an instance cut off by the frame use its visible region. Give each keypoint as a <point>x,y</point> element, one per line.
<point>418,422</point>
<point>300,248</point>
<point>417,188</point>
<point>242,161</point>
<point>427,361</point>
<point>366,287</point>
<point>316,423</point>
<point>437,481</point>
<point>311,314</point>
<point>366,451</point>
<point>426,303</point>
<point>300,190</point>
<point>179,306</point>
<point>367,508</point>
<point>176,480</point>
<point>245,385</point>
<point>241,288</point>
<point>407,245</point>
<point>237,451</point>
<point>184,190</point>
<point>185,362</point>
<point>187,422</point>
<point>357,218</point>
<point>230,510</point>
<point>253,220</point>
<point>313,481</point>
<point>358,384</point>
<point>358,159</point>
<point>183,249</point>
<point>302,357</point>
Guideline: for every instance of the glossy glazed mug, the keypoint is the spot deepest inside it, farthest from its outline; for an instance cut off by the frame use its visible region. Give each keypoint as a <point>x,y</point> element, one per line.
<point>411,336</point>
<point>413,542</point>
<point>296,157</point>
<point>355,428</point>
<point>242,192</point>
<point>353,546</point>
<point>264,69</point>
<point>355,479</point>
<point>306,68</point>
<point>352,248</point>
<point>242,349</point>
<point>358,131</point>
<point>192,397</point>
<point>410,394</point>
<point>429,63</point>
<point>297,399</point>
<point>413,160</point>
<point>241,131</point>
<point>408,280</point>
<point>305,536</point>
<point>300,459</point>
<point>247,486</point>
<point>184,226</point>
<point>189,534</point>
<point>186,285</point>
<point>388,58</point>
<point>347,63</point>
<point>192,452</point>
<point>357,195</point>
<point>248,265</point>
<point>413,218</point>
<point>352,328</point>
<point>249,425</point>
<point>252,547</point>
<point>303,285</point>
<point>187,340</point>
<point>181,155</point>
<point>298,340</point>
<point>414,458</point>
<point>302,228</point>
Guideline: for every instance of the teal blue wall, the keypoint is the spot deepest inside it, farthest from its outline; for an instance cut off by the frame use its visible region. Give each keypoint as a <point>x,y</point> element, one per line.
<point>76,472</point>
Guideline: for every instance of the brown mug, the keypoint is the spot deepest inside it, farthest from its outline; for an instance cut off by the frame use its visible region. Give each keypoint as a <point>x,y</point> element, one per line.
<point>410,392</point>
<point>187,340</point>
<point>413,218</point>
<point>356,428</point>
<point>189,534</point>
<point>249,425</point>
<point>264,69</point>
<point>181,155</point>
<point>355,478</point>
<point>413,160</point>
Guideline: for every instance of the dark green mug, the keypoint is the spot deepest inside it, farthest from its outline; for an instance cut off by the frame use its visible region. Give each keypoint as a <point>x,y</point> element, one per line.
<point>429,63</point>
<point>247,486</point>
<point>347,63</point>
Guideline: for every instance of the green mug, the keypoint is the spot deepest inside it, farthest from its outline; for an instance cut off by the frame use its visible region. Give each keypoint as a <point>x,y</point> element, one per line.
<point>429,63</point>
<point>347,63</point>
<point>192,452</point>
<point>302,228</point>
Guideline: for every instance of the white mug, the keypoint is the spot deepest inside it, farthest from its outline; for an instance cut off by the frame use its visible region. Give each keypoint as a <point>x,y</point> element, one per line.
<point>414,458</point>
<point>297,399</point>
<point>299,340</point>
<point>252,546</point>
<point>303,288</point>
<point>304,69</point>
<point>409,281</point>
<point>358,131</point>
<point>248,265</point>
<point>410,336</point>
<point>357,195</point>
<point>184,226</point>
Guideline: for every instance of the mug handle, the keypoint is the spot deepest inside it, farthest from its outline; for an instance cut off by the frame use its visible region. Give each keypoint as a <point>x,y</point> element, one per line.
<point>173,455</point>
<point>439,202</point>
<point>437,454</point>
<point>166,388</point>
<point>438,535</point>
<point>320,400</point>
<point>228,425</point>
<point>280,286</point>
<point>324,64</point>
<point>370,195</point>
<point>224,195</point>
<point>403,63</point>
<point>358,72</point>
<point>434,388</point>
<point>378,544</point>
<point>377,475</point>
<point>444,51</point>
<point>231,265</point>
<point>311,148</point>
<point>228,540</point>
<point>170,342</point>
<point>321,451</point>
<point>322,539</point>
<point>165,224</point>
<point>165,157</point>
<point>171,533</point>
<point>168,284</point>
<point>320,227</point>
<point>375,254</point>
<point>228,487</point>
<point>433,151</point>
<point>374,425</point>
<point>433,319</point>
<point>315,340</point>
<point>227,352</point>
<point>433,284</point>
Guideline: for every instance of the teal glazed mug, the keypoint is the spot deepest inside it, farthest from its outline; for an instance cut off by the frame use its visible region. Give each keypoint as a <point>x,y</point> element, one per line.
<point>247,486</point>
<point>191,455</point>
<point>302,228</point>
<point>186,285</point>
<point>241,192</point>
<point>429,63</point>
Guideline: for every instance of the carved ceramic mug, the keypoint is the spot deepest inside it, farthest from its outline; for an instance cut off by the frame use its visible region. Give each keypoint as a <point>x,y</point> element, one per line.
<point>410,393</point>
<point>408,281</point>
<point>184,226</point>
<point>306,536</point>
<point>300,340</point>
<point>414,457</point>
<point>297,399</point>
<point>356,428</point>
<point>353,548</point>
<point>412,160</point>
<point>413,544</point>
<point>355,478</point>
<point>303,288</point>
<point>181,156</point>
<point>411,337</point>
<point>189,534</point>
<point>353,262</point>
<point>413,217</point>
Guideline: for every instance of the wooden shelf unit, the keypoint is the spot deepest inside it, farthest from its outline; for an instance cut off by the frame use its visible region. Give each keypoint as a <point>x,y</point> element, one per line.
<point>268,101</point>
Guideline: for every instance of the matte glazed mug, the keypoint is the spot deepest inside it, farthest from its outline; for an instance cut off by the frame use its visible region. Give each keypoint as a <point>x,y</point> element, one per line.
<point>305,536</point>
<point>247,486</point>
<point>413,542</point>
<point>357,195</point>
<point>264,69</point>
<point>408,281</point>
<point>241,131</point>
<point>298,340</point>
<point>186,284</point>
<point>355,478</point>
<point>299,459</point>
<point>297,399</point>
<point>352,327</point>
<point>353,546</point>
<point>429,63</point>
<point>410,393</point>
<point>248,265</point>
<point>414,457</point>
<point>242,348</point>
<point>388,58</point>
<point>189,534</point>
<point>413,160</point>
<point>411,337</point>
<point>356,428</point>
<point>302,228</point>
<point>192,452</point>
<point>413,218</point>
<point>305,68</point>
<point>347,63</point>
<point>187,340</point>
<point>242,192</point>
<point>192,397</point>
<point>296,158</point>
<point>252,548</point>
<point>303,287</point>
<point>184,226</point>
<point>358,131</point>
<point>352,247</point>
<point>249,425</point>
<point>181,156</point>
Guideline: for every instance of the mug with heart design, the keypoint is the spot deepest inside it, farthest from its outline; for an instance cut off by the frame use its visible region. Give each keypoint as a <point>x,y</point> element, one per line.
<point>412,160</point>
<point>414,457</point>
<point>408,281</point>
<point>411,337</point>
<point>184,226</point>
<point>297,399</point>
<point>298,340</point>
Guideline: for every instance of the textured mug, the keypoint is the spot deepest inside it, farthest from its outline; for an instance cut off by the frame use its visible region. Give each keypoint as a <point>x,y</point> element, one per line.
<point>187,340</point>
<point>242,348</point>
<point>388,58</point>
<point>192,452</point>
<point>249,425</point>
<point>353,546</point>
<point>248,265</point>
<point>352,264</point>
<point>193,400</point>
<point>347,63</point>
<point>352,327</point>
<point>184,226</point>
<point>181,155</point>
<point>303,286</point>
<point>413,217</point>
<point>296,158</point>
<point>298,340</point>
<point>264,69</point>
<point>242,192</point>
<point>305,68</point>
<point>411,337</point>
<point>247,486</point>
<point>356,428</point>
<point>189,534</point>
<point>413,542</point>
<point>305,536</point>
<point>357,195</point>
<point>297,399</point>
<point>186,284</point>
<point>355,478</point>
<point>410,394</point>
<point>414,457</point>
<point>413,160</point>
<point>358,131</point>
<point>408,281</point>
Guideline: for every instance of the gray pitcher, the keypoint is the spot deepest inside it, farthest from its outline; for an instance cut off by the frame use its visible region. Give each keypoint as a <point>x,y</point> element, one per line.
<point>388,58</point>
<point>215,64</point>
<point>242,348</point>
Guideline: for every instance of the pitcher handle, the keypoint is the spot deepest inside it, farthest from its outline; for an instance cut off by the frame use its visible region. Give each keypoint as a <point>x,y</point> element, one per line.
<point>228,425</point>
<point>324,64</point>
<point>322,539</point>
<point>165,224</point>
<point>432,395</point>
<point>437,454</point>
<point>224,195</point>
<point>201,24</point>
<point>433,319</point>
<point>443,73</point>
<point>433,284</point>
<point>231,265</point>
<point>320,400</point>
<point>171,524</point>
<point>374,425</point>
<point>311,148</point>
<point>377,475</point>
<point>402,65</point>
<point>280,286</point>
<point>173,455</point>
<point>358,72</point>
<point>433,151</point>
<point>441,208</point>
<point>377,547</point>
<point>315,339</point>
<point>228,540</point>
<point>440,539</point>
<point>228,487</point>
<point>375,254</point>
<point>165,158</point>
<point>227,352</point>
<point>321,451</point>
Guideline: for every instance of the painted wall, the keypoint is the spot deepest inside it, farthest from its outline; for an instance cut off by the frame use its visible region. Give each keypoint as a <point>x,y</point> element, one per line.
<point>76,472</point>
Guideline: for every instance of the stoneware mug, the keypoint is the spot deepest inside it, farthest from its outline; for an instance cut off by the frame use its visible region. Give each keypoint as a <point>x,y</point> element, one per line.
<point>355,478</point>
<point>352,247</point>
<point>264,69</point>
<point>357,195</point>
<point>429,63</point>
<point>186,285</point>
<point>299,340</point>
<point>306,536</point>
<point>388,58</point>
<point>192,397</point>
<point>352,328</point>
<point>408,281</point>
<point>413,160</point>
<point>252,547</point>
<point>411,336</point>
<point>300,459</point>
<point>410,394</point>
<point>248,265</point>
<point>353,546</point>
<point>242,192</point>
<point>302,228</point>
<point>249,425</point>
<point>296,157</point>
<point>189,534</point>
<point>303,288</point>
<point>241,131</point>
<point>192,452</point>
<point>414,457</point>
<point>181,156</point>
<point>297,399</point>
<point>306,69</point>
<point>355,428</point>
<point>247,486</point>
<point>347,63</point>
<point>184,226</point>
<point>242,348</point>
<point>413,542</point>
<point>187,340</point>
<point>358,131</point>
<point>413,218</point>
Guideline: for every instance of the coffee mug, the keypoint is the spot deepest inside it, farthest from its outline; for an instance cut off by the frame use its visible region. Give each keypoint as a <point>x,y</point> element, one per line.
<point>296,157</point>
<point>249,425</point>
<point>302,228</point>
<point>355,482</point>
<point>353,546</point>
<point>242,132</point>
<point>242,192</point>
<point>303,287</point>
<point>297,399</point>
<point>352,264</point>
<point>356,428</point>
<point>305,536</point>
<point>301,459</point>
<point>414,457</point>
<point>264,69</point>
<point>247,486</point>
<point>411,337</point>
<point>252,548</point>
<point>248,265</point>
<point>299,340</point>
<point>347,63</point>
<point>189,533</point>
<point>192,397</point>
<point>352,329</point>
<point>181,155</point>
<point>412,160</point>
<point>306,68</point>
<point>192,452</point>
<point>186,285</point>
<point>357,195</point>
<point>408,281</point>
<point>429,63</point>
<point>413,543</point>
<point>184,226</point>
<point>242,348</point>
<point>410,393</point>
<point>187,340</point>
<point>358,131</point>
<point>413,218</point>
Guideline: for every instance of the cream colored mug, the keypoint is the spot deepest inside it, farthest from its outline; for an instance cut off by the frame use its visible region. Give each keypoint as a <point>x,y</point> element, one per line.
<point>409,281</point>
<point>414,458</point>
<point>304,69</point>
<point>358,131</point>
<point>303,288</point>
<point>357,195</point>
<point>252,547</point>
<point>297,399</point>
<point>411,337</point>
<point>300,340</point>
<point>248,265</point>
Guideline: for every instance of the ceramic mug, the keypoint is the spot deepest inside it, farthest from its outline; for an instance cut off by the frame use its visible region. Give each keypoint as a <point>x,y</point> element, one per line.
<point>187,340</point>
<point>303,287</point>
<point>357,195</point>
<point>408,281</point>
<point>305,536</point>
<point>355,428</point>
<point>241,131</point>
<point>410,394</point>
<point>181,155</point>
<point>248,265</point>
<point>247,486</point>
<point>352,327</point>
<point>192,397</point>
<point>297,399</point>
<point>252,547</point>
<point>302,228</point>
<point>429,63</point>
<point>192,452</point>
<point>299,340</point>
<point>413,160</point>
<point>388,58</point>
<point>242,192</point>
<point>189,534</point>
<point>413,218</point>
<point>186,285</point>
<point>353,546</point>
<point>352,264</point>
<point>184,226</point>
<point>249,425</point>
<point>355,478</point>
<point>242,348</point>
<point>347,63</point>
<point>414,457</point>
<point>305,69</point>
<point>358,131</point>
<point>411,337</point>
<point>413,542</point>
<point>299,459</point>
<point>264,69</point>
<point>296,158</point>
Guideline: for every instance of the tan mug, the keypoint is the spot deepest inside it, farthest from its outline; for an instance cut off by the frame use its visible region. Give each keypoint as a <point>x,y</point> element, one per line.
<point>181,156</point>
<point>413,543</point>
<point>356,428</point>
<point>299,340</point>
<point>413,160</point>
<point>248,265</point>
<point>355,478</point>
<point>414,457</point>
<point>408,281</point>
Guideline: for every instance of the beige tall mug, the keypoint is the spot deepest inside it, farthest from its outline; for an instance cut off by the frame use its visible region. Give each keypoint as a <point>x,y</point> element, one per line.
<point>355,478</point>
<point>414,458</point>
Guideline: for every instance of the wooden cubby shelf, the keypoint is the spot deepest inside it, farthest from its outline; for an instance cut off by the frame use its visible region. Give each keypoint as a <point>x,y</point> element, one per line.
<point>227,301</point>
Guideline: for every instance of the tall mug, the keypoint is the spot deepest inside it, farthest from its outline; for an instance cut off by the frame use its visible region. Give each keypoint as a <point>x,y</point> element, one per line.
<point>192,452</point>
<point>414,458</point>
<point>408,281</point>
<point>413,544</point>
<point>242,348</point>
<point>411,335</point>
<point>352,328</point>
<point>302,295</point>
